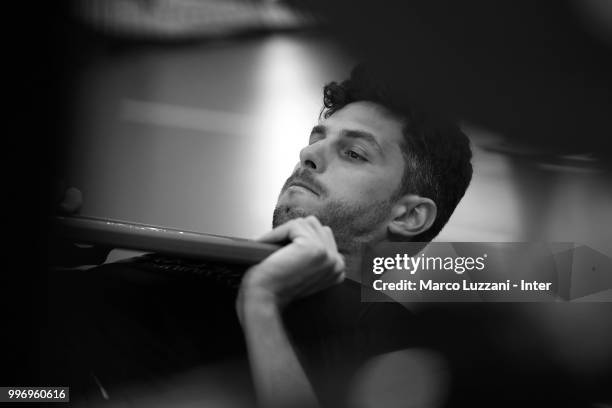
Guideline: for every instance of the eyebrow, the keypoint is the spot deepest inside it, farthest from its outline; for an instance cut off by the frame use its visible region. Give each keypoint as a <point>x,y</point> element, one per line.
<point>319,129</point>
<point>365,136</point>
<point>352,134</point>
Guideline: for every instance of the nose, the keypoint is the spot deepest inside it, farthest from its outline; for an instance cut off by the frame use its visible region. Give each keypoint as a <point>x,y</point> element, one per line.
<point>313,157</point>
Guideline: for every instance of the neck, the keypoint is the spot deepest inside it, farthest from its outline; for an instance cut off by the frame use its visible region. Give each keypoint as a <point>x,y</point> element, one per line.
<point>353,266</point>
<point>353,258</point>
<point>352,250</point>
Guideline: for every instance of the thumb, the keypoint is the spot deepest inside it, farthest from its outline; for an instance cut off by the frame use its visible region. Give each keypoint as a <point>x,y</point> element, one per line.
<point>72,202</point>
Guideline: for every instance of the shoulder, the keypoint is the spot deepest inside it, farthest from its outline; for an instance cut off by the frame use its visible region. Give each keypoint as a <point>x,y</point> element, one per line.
<point>335,332</point>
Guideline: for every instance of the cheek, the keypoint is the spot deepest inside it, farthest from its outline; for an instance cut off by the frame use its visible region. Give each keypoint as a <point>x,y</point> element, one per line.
<point>364,187</point>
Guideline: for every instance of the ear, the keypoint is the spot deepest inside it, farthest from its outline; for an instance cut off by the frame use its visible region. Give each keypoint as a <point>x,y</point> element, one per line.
<point>412,215</point>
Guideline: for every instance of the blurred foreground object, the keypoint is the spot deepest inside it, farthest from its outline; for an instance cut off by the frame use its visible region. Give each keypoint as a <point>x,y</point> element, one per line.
<point>152,238</point>
<point>186,19</point>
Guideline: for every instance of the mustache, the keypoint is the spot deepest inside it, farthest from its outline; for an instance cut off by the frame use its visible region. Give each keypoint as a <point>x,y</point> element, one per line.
<point>305,177</point>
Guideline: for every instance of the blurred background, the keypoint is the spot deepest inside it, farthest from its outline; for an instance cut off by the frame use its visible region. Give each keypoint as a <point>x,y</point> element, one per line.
<point>190,113</point>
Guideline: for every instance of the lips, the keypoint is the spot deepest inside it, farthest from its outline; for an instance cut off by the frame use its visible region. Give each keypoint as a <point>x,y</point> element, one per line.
<point>307,186</point>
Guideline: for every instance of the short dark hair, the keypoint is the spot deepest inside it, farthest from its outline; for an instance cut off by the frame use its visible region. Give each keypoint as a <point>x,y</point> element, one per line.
<point>436,152</point>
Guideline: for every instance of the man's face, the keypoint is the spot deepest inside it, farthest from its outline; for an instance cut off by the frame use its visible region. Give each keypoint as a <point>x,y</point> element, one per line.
<point>348,175</point>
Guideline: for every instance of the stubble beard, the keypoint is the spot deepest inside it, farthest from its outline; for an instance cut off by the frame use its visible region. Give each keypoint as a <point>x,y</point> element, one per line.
<point>352,225</point>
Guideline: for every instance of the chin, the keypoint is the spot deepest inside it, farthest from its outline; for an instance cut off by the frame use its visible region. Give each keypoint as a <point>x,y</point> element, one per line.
<point>284,213</point>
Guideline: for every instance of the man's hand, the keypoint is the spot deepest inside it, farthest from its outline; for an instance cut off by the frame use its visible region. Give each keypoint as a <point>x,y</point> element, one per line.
<point>64,253</point>
<point>71,202</point>
<point>310,263</point>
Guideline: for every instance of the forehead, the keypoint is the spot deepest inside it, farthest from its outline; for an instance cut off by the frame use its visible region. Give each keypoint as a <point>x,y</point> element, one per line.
<point>369,117</point>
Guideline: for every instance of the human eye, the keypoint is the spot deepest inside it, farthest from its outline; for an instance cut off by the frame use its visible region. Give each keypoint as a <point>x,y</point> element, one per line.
<point>354,154</point>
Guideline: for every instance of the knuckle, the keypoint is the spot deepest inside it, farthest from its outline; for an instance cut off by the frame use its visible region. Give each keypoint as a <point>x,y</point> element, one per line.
<point>318,253</point>
<point>328,263</point>
<point>340,263</point>
<point>313,220</point>
<point>329,232</point>
<point>296,222</point>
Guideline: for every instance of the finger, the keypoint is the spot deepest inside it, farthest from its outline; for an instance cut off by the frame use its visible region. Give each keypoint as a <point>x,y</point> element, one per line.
<point>340,265</point>
<point>315,226</point>
<point>314,221</point>
<point>332,249</point>
<point>72,202</point>
<point>331,271</point>
<point>325,281</point>
<point>285,232</point>
<point>341,277</point>
<point>330,241</point>
<point>326,236</point>
<point>324,233</point>
<point>280,233</point>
